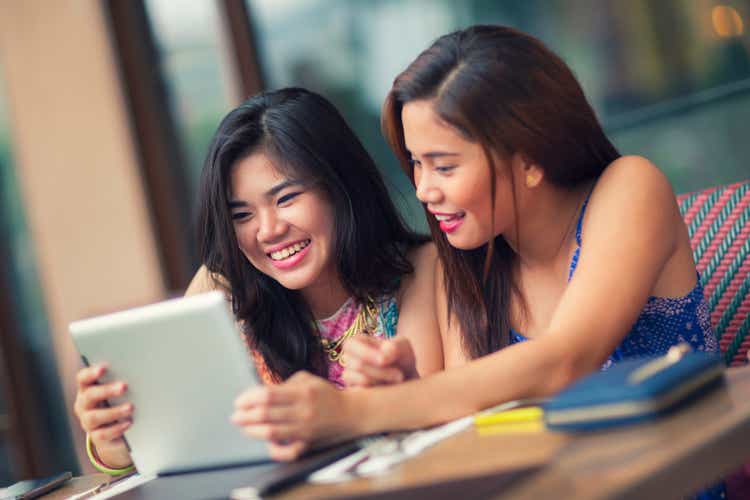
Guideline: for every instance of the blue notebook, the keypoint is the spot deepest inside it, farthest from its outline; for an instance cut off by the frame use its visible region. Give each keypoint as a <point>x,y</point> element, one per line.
<point>634,390</point>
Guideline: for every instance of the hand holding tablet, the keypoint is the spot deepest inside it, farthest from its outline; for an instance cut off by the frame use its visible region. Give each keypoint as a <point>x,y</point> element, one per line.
<point>184,363</point>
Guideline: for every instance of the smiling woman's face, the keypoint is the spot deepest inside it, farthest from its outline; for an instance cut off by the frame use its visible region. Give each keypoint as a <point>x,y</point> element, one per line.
<point>452,178</point>
<point>284,226</point>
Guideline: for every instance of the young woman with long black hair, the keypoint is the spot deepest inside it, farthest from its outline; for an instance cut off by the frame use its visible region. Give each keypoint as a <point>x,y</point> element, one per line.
<point>297,227</point>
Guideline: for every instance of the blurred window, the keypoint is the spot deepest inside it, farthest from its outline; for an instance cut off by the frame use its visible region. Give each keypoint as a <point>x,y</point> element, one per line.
<point>193,63</point>
<point>26,335</point>
<point>7,474</point>
<point>670,80</point>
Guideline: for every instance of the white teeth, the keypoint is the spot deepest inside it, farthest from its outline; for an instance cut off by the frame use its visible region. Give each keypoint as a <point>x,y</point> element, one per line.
<point>287,252</point>
<point>442,217</point>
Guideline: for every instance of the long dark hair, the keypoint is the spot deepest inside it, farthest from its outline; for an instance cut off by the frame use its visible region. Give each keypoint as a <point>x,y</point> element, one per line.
<point>308,139</point>
<point>510,94</point>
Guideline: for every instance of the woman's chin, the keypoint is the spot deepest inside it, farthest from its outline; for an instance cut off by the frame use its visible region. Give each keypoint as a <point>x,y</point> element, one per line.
<point>464,243</point>
<point>294,282</point>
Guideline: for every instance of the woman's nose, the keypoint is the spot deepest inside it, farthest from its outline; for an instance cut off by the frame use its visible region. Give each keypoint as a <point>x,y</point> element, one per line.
<point>271,227</point>
<point>427,191</point>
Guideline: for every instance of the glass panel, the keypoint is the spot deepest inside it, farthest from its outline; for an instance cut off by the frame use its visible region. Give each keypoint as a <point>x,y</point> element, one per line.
<point>7,473</point>
<point>35,341</point>
<point>189,44</point>
<point>699,147</point>
<point>657,73</point>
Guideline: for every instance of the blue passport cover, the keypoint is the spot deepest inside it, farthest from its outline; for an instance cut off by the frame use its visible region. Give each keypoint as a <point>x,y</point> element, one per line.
<point>622,395</point>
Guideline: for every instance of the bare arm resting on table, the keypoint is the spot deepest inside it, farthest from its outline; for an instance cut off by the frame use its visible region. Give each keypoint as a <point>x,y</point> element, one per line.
<point>595,312</point>
<point>648,242</point>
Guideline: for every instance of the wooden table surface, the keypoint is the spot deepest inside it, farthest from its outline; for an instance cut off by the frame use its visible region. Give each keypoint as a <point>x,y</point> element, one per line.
<point>668,458</point>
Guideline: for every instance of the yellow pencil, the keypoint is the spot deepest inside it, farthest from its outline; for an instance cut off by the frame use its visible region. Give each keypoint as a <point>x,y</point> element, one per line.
<point>529,414</point>
<point>532,426</point>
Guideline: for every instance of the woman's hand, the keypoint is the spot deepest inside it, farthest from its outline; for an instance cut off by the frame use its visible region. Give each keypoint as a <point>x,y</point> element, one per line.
<point>104,425</point>
<point>293,416</point>
<point>373,361</point>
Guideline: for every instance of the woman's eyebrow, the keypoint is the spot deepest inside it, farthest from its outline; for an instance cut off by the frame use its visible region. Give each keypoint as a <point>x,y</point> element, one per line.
<point>236,204</point>
<point>268,194</point>
<point>434,154</point>
<point>438,154</point>
<point>280,187</point>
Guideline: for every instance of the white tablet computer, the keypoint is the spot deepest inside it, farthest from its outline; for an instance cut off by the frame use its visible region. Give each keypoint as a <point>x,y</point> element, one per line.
<point>184,363</point>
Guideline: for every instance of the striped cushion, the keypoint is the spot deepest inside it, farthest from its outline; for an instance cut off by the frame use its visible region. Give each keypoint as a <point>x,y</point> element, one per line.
<point>717,220</point>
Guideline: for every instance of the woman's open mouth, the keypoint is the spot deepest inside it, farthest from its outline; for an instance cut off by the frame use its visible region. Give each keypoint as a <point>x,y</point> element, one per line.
<point>290,255</point>
<point>450,222</point>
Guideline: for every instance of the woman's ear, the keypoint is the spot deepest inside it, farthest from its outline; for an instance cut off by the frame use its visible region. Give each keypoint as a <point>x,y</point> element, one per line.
<point>532,173</point>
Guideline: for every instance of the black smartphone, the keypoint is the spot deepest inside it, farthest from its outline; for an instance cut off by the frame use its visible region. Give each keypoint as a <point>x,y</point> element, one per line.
<point>34,488</point>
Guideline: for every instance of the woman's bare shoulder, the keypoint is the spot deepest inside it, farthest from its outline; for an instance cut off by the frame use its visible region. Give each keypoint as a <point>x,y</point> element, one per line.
<point>632,208</point>
<point>634,177</point>
<point>206,281</point>
<point>633,191</point>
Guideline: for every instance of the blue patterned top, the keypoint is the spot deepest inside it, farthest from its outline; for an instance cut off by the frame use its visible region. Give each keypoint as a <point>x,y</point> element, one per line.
<point>663,322</point>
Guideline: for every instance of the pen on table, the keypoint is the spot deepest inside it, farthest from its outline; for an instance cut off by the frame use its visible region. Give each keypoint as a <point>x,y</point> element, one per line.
<point>515,416</point>
<point>101,487</point>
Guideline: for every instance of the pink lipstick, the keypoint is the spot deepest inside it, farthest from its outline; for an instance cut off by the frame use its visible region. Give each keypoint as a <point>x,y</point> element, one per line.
<point>292,261</point>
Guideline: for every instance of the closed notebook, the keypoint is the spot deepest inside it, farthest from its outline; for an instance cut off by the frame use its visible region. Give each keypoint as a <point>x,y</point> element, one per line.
<point>635,390</point>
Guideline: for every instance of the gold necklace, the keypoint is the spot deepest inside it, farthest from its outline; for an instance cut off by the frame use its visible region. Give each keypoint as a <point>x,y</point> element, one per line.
<point>365,323</point>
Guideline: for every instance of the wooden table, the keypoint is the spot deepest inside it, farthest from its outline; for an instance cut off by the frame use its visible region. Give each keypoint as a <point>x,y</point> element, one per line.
<point>669,458</point>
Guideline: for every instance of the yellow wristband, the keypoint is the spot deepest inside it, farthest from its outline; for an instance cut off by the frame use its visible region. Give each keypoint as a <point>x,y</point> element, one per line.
<point>101,466</point>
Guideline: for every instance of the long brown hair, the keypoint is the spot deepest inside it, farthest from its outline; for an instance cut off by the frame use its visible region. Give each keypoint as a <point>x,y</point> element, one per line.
<point>507,92</point>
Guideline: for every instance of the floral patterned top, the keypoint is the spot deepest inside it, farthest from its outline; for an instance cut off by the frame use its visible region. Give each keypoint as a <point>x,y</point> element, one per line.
<point>335,325</point>
<point>663,322</point>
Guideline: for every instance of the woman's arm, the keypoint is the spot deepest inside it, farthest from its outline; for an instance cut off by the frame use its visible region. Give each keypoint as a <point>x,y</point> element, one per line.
<point>631,231</point>
<point>417,320</point>
<point>417,348</point>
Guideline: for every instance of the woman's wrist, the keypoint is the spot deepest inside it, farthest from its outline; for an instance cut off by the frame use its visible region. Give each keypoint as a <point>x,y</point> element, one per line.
<point>361,416</point>
<point>111,466</point>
